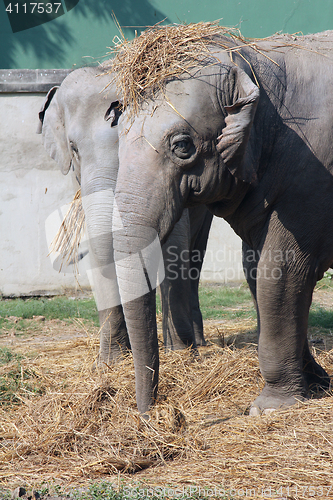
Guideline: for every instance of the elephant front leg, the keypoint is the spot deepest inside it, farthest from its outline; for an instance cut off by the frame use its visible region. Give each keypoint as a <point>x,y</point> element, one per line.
<point>114,341</point>
<point>284,286</point>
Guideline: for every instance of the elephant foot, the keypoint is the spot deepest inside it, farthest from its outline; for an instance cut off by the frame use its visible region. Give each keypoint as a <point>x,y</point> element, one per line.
<point>200,341</point>
<point>316,377</point>
<point>111,356</point>
<point>177,340</point>
<point>271,400</point>
<point>199,336</point>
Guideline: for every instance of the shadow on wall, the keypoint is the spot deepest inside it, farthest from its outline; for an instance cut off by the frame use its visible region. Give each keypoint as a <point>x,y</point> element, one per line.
<point>129,13</point>
<point>52,40</point>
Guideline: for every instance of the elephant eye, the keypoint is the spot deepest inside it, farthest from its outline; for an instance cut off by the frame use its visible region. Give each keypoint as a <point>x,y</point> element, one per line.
<point>182,146</point>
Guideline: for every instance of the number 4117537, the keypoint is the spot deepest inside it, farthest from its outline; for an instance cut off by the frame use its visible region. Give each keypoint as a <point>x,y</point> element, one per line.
<point>30,8</point>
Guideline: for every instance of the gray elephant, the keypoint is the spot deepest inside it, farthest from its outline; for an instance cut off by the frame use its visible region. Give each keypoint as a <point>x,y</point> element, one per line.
<point>77,136</point>
<point>248,133</point>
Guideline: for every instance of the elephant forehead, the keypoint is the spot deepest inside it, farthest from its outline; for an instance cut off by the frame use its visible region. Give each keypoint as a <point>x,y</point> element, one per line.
<point>86,88</point>
<point>191,105</point>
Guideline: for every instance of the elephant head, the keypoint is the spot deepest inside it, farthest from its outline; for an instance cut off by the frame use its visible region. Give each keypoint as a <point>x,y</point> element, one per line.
<point>70,114</point>
<point>190,145</point>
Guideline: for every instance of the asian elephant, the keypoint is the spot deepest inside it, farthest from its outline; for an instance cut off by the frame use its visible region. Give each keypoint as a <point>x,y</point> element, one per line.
<point>77,136</point>
<point>248,133</point>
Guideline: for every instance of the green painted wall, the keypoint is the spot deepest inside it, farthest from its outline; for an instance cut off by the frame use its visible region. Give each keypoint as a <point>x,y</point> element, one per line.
<point>82,35</point>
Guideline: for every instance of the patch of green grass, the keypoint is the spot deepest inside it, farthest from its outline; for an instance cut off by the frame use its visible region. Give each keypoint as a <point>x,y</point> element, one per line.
<point>51,308</point>
<point>138,491</point>
<point>216,302</point>
<point>223,302</point>
<point>6,356</point>
<point>14,378</point>
<point>5,494</point>
<point>327,281</point>
<point>220,301</point>
<point>320,317</point>
<point>98,491</point>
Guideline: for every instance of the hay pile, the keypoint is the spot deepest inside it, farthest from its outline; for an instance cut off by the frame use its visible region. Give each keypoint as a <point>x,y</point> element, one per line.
<point>70,233</point>
<point>85,424</point>
<point>142,66</point>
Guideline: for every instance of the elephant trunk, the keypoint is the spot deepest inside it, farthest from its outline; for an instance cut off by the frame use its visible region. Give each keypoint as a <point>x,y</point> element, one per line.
<point>98,209</point>
<point>98,205</point>
<point>139,268</point>
<point>144,345</point>
<point>144,215</point>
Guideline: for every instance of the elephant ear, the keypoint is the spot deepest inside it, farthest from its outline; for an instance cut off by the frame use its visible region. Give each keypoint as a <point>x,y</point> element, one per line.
<point>233,142</point>
<point>52,128</point>
<point>114,112</point>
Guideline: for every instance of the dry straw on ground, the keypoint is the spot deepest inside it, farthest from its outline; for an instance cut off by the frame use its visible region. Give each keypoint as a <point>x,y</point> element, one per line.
<point>85,424</point>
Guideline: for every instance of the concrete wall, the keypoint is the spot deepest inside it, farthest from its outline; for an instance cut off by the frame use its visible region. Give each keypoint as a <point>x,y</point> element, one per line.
<point>223,259</point>
<point>32,188</point>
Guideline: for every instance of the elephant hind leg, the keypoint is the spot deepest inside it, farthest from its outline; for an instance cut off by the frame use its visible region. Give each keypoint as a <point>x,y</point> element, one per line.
<point>314,374</point>
<point>200,223</point>
<point>176,288</point>
<point>177,320</point>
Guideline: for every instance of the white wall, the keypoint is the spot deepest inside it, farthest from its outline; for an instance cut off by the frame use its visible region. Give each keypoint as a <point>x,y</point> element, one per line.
<point>32,188</point>
<point>223,258</point>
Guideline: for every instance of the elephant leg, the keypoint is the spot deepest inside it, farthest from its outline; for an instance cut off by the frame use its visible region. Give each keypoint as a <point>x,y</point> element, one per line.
<point>284,294</point>
<point>176,288</point>
<point>314,375</point>
<point>114,340</point>
<point>200,223</point>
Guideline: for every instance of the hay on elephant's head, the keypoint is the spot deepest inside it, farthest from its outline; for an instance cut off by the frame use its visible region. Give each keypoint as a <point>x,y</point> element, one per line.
<point>142,66</point>
<point>68,238</point>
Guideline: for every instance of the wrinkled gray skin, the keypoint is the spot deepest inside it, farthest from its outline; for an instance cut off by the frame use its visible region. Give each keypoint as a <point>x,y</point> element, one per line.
<point>259,153</point>
<point>77,136</point>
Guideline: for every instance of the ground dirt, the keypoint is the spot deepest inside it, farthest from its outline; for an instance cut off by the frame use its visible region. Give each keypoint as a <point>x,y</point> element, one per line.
<point>198,436</point>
